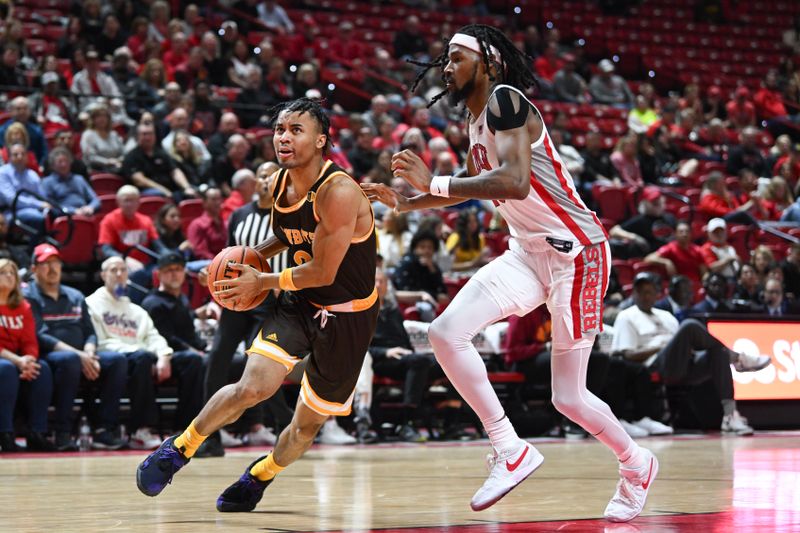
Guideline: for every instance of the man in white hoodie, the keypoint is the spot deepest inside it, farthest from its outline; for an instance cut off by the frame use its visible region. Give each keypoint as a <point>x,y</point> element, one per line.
<point>122,326</point>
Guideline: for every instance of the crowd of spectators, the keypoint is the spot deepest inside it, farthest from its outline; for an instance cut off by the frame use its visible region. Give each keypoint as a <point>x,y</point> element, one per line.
<point>176,105</point>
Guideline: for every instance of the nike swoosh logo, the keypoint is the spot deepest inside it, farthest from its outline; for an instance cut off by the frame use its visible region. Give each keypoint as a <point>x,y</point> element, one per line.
<point>513,466</point>
<point>649,475</point>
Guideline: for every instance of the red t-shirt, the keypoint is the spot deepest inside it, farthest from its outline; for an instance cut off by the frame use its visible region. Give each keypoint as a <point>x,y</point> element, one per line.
<point>769,104</point>
<point>231,204</point>
<point>741,115</point>
<point>715,205</point>
<point>122,233</point>
<point>18,331</point>
<point>208,236</point>
<point>687,260</point>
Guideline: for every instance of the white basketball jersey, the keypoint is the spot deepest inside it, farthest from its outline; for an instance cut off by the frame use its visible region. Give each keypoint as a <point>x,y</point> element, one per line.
<point>553,208</point>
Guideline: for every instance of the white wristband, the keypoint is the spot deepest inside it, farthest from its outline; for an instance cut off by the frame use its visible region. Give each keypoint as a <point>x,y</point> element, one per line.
<point>440,186</point>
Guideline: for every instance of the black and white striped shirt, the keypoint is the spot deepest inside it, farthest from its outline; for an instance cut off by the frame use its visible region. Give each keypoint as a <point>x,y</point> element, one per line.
<point>250,225</point>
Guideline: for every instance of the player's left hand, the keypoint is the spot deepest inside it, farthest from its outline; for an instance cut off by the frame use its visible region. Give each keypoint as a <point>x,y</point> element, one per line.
<point>412,168</point>
<point>246,283</point>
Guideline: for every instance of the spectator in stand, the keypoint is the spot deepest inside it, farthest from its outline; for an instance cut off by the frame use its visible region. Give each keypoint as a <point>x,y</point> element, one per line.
<point>206,112</point>
<point>642,116</point>
<point>681,354</point>
<point>608,88</point>
<point>179,121</point>
<point>15,176</point>
<point>792,213</point>
<point>780,151</point>
<point>393,356</point>
<point>111,38</point>
<point>715,299</point>
<point>717,201</point>
<point>597,165</point>
<point>418,271</point>
<point>346,47</point>
<point>625,161</point>
<point>679,298</point>
<point>646,232</point>
<point>714,105</point>
<point>467,244</point>
<point>777,197</point>
<point>748,288</point>
<point>228,125</point>
<point>207,232</point>
<point>213,62</point>
<point>681,256</point>
<point>178,53</point>
<point>568,85</point>
<point>183,152</point>
<point>149,85</point>
<point>11,72</point>
<point>70,192</point>
<point>20,111</point>
<point>791,271</point>
<point>253,100</point>
<point>235,159</point>
<point>775,302</point>
<point>445,164</point>
<point>150,168</point>
<point>159,21</point>
<point>239,64</point>
<point>169,103</point>
<point>741,111</point>
<point>169,229</point>
<point>170,311</point>
<point>92,83</point>
<point>243,185</point>
<point>715,139</point>
<point>125,228</point>
<point>378,109</point>
<point>248,8</point>
<point>65,139</point>
<point>138,38</point>
<point>22,373</point>
<point>394,239</point>
<point>546,66</point>
<point>720,257</point>
<point>768,101</point>
<point>363,156</point>
<point>274,17</point>
<point>569,155</point>
<point>123,326</point>
<point>691,99</point>
<point>386,139</point>
<point>763,261</point>
<point>69,345</point>
<point>414,140</point>
<point>101,146</point>
<point>277,81</point>
<point>52,111</point>
<point>17,134</point>
<point>409,42</point>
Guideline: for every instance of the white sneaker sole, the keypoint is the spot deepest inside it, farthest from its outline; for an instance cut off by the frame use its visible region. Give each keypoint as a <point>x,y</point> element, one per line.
<point>536,462</point>
<point>653,474</point>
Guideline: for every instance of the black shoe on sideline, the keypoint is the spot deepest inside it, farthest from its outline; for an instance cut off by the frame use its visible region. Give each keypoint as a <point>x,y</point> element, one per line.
<point>211,447</point>
<point>65,442</point>
<point>7,443</point>
<point>37,442</point>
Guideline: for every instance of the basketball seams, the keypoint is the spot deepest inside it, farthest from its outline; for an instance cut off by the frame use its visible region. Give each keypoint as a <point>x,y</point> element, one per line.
<point>246,255</point>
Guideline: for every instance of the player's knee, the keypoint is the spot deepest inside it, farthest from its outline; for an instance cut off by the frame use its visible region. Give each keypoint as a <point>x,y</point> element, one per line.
<point>305,432</point>
<point>567,405</point>
<point>249,393</point>
<point>438,336</point>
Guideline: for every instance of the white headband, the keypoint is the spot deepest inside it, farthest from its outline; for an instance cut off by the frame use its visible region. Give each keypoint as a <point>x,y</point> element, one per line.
<point>471,43</point>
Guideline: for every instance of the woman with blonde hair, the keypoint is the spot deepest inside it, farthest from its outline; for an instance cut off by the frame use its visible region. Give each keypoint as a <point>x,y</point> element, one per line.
<point>150,84</point>
<point>21,371</point>
<point>102,147</point>
<point>187,159</point>
<point>762,260</point>
<point>17,134</point>
<point>777,197</point>
<point>625,159</point>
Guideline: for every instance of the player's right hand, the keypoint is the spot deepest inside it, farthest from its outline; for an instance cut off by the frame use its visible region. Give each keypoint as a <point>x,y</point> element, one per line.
<point>385,195</point>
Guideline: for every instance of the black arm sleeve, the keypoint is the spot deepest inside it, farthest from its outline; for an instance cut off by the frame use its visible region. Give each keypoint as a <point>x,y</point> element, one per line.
<point>506,110</point>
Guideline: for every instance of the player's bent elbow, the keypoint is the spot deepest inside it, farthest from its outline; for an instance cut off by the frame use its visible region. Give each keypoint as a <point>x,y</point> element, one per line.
<point>522,191</point>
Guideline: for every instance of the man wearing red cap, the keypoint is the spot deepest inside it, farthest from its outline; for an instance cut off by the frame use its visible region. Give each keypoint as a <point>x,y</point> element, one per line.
<point>68,343</point>
<point>645,232</point>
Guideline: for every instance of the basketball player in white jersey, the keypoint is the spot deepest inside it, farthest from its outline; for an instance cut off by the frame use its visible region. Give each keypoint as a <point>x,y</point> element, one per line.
<point>558,255</point>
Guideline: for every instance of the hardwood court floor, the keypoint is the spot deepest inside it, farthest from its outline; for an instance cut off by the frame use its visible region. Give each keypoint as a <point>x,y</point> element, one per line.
<point>706,484</point>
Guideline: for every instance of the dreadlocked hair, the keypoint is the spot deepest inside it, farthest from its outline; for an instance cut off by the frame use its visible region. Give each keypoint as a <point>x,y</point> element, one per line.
<point>513,70</point>
<point>305,105</point>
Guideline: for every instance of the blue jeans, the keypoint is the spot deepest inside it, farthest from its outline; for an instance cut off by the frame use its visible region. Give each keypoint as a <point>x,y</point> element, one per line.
<point>67,372</point>
<point>37,394</point>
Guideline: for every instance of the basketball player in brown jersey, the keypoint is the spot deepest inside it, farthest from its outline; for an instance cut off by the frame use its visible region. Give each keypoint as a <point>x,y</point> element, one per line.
<point>328,309</point>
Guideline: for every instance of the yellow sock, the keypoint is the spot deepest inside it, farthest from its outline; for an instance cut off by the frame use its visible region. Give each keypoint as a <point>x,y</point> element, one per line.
<point>266,469</point>
<point>189,441</point>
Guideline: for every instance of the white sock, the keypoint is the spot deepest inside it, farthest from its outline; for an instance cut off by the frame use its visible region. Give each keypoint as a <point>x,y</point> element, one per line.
<point>502,434</point>
<point>633,457</point>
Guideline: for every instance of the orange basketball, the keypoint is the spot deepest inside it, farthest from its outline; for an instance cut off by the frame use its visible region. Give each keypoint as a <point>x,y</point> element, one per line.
<point>218,270</point>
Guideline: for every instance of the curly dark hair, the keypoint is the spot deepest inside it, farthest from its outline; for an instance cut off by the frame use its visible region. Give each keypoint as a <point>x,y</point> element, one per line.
<point>310,106</point>
<point>513,70</point>
<point>466,240</point>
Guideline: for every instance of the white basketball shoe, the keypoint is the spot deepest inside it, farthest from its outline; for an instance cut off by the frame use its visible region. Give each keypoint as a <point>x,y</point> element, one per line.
<point>507,469</point>
<point>632,489</point>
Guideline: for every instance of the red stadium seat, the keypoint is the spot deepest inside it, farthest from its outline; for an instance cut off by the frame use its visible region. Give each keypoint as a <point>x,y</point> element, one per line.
<point>149,205</point>
<point>190,209</point>
<point>106,183</point>
<point>78,247</point>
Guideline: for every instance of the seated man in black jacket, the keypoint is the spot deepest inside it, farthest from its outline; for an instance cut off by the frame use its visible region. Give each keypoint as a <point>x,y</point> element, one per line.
<point>394,357</point>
